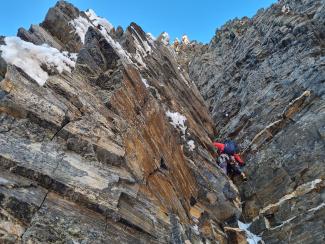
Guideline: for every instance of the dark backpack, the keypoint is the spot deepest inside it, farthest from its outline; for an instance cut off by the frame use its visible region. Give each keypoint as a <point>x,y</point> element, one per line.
<point>230,147</point>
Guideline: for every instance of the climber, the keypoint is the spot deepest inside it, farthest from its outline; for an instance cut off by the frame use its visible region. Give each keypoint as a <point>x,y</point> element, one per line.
<point>99,27</point>
<point>229,159</point>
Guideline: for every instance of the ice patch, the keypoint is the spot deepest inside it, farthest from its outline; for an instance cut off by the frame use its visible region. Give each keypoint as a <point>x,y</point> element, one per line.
<point>31,58</point>
<point>251,238</point>
<point>178,120</point>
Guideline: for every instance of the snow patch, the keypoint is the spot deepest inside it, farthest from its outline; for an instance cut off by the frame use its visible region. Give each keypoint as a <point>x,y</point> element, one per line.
<point>191,145</point>
<point>31,58</point>
<point>251,238</point>
<point>178,120</point>
<point>81,26</point>
<point>98,21</point>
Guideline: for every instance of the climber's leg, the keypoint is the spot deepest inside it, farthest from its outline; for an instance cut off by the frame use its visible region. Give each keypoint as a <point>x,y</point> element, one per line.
<point>223,166</point>
<point>223,162</point>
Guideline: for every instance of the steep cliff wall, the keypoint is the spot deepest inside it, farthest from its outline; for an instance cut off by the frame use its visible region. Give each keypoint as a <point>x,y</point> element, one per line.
<point>103,139</point>
<point>263,79</point>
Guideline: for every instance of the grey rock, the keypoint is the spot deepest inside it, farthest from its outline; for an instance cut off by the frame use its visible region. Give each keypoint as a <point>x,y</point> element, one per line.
<point>38,35</point>
<point>254,76</point>
<point>3,64</point>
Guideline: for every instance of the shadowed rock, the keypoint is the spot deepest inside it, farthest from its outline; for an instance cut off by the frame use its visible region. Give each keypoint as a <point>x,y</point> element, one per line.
<point>263,79</point>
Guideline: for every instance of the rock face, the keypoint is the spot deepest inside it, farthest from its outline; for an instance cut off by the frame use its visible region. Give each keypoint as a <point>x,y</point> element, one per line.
<point>107,141</point>
<point>263,79</point>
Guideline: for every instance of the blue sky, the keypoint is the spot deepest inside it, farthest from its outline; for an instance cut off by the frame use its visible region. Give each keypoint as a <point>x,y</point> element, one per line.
<point>197,19</point>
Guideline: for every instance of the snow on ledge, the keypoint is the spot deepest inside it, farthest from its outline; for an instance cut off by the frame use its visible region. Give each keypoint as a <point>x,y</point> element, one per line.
<point>178,120</point>
<point>31,58</point>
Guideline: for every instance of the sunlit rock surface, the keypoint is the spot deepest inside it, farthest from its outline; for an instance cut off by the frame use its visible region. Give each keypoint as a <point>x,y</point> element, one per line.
<point>90,155</point>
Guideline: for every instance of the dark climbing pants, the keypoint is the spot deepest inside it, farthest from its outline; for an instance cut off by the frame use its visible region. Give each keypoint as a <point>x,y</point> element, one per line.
<point>231,168</point>
<point>234,169</point>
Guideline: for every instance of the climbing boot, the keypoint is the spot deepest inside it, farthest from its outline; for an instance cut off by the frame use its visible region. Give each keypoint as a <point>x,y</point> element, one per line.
<point>244,177</point>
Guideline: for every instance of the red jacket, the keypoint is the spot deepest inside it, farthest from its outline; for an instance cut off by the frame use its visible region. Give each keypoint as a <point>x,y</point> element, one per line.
<point>221,148</point>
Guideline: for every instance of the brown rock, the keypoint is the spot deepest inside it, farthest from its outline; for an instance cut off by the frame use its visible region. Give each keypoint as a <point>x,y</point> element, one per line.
<point>236,236</point>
